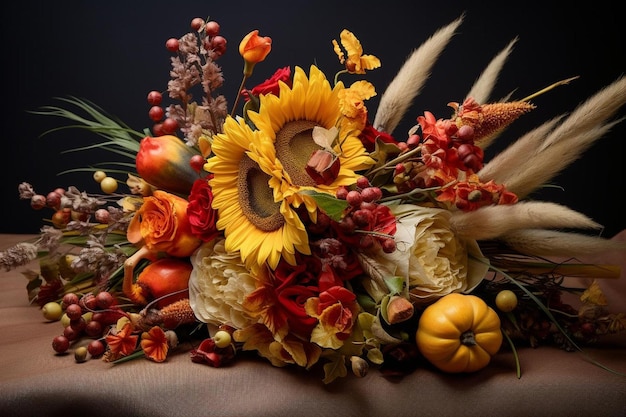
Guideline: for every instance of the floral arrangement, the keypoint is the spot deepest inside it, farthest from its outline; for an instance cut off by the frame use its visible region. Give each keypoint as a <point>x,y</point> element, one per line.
<point>294,223</point>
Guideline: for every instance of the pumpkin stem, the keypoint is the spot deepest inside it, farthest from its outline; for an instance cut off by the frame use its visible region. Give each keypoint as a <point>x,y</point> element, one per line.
<point>468,339</point>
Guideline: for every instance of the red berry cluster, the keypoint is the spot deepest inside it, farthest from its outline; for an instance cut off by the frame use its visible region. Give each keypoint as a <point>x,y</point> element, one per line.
<point>90,316</point>
<point>364,214</point>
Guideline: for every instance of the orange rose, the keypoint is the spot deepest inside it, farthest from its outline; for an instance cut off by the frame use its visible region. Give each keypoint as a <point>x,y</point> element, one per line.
<point>162,223</point>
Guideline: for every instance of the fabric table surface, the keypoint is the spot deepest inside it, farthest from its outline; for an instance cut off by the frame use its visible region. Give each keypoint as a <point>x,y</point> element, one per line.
<point>34,381</point>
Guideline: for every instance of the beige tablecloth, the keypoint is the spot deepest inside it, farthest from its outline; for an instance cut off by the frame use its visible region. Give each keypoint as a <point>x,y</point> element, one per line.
<point>36,382</point>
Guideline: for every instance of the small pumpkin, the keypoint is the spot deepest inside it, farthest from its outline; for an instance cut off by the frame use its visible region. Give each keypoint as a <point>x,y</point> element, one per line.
<point>459,333</point>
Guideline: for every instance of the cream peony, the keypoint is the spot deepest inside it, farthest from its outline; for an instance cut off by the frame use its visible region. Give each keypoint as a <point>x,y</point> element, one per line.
<point>432,258</point>
<point>218,285</point>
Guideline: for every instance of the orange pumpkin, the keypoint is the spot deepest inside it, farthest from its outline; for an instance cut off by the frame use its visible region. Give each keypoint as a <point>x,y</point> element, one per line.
<point>459,333</point>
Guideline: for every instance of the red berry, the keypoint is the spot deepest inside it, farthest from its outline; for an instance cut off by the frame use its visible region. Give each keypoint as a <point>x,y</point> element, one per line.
<point>53,200</point>
<point>61,218</point>
<point>70,333</point>
<point>169,126</point>
<point>155,98</point>
<point>93,329</point>
<point>218,44</point>
<point>354,198</point>
<point>413,141</point>
<point>95,348</point>
<point>102,216</point>
<point>74,311</point>
<point>389,245</point>
<point>88,302</point>
<point>38,201</point>
<point>370,194</point>
<point>78,325</point>
<point>342,193</point>
<point>104,300</point>
<point>197,163</point>
<point>157,129</point>
<point>362,182</point>
<point>212,28</point>
<point>156,113</point>
<point>69,299</point>
<point>172,45</point>
<point>196,23</point>
<point>60,344</point>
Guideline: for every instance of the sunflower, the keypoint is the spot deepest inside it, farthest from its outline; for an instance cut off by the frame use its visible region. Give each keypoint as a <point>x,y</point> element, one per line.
<point>255,214</point>
<point>288,121</point>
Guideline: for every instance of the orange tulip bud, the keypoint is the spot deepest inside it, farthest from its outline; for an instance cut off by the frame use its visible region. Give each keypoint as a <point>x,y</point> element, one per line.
<point>163,162</point>
<point>254,48</point>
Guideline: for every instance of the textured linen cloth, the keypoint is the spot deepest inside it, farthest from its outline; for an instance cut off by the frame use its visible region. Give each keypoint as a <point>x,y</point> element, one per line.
<point>34,381</point>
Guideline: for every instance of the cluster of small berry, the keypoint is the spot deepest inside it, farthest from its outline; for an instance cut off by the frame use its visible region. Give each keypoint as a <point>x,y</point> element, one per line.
<point>89,315</point>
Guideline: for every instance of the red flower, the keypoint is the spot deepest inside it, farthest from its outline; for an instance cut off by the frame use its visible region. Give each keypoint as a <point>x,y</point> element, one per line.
<point>271,85</point>
<point>472,195</point>
<point>280,301</point>
<point>202,216</point>
<point>369,135</point>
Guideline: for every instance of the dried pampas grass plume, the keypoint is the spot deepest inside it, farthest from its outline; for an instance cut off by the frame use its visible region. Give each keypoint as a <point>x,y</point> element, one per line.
<point>493,222</point>
<point>540,155</point>
<point>483,86</point>
<point>547,243</point>
<point>409,81</point>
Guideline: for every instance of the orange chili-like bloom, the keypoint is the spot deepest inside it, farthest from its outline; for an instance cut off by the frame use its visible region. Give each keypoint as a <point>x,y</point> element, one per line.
<point>254,48</point>
<point>154,344</point>
<point>123,343</point>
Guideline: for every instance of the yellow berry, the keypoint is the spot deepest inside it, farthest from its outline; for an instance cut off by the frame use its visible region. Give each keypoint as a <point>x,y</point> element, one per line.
<point>98,176</point>
<point>222,339</point>
<point>108,185</point>
<point>506,300</point>
<point>52,311</point>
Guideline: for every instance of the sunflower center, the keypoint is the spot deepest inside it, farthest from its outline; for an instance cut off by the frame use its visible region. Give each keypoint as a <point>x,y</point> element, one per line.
<point>294,147</point>
<point>255,197</point>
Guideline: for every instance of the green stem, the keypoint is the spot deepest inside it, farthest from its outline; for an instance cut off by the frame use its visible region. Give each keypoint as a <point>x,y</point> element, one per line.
<point>243,82</point>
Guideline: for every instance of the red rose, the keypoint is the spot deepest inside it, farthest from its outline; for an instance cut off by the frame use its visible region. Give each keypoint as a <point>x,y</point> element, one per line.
<point>202,216</point>
<point>270,86</point>
<point>293,286</point>
<point>369,135</point>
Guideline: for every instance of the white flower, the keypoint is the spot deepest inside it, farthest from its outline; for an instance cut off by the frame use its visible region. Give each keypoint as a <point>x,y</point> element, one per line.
<point>218,286</point>
<point>430,256</point>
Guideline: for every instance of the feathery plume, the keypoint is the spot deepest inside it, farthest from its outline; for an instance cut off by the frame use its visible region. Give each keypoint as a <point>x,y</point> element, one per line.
<point>546,243</point>
<point>409,81</point>
<point>491,222</point>
<point>483,86</point>
<point>506,163</point>
<point>563,145</point>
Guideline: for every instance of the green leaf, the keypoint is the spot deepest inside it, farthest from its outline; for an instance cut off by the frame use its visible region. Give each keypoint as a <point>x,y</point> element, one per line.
<point>332,206</point>
<point>395,284</point>
<point>334,369</point>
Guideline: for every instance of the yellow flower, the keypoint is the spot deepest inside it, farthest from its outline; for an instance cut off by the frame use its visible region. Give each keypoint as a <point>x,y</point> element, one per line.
<point>288,120</point>
<point>356,62</point>
<point>255,214</point>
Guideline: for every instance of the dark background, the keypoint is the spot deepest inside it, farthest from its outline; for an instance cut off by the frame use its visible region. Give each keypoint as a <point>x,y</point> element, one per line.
<point>112,53</point>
